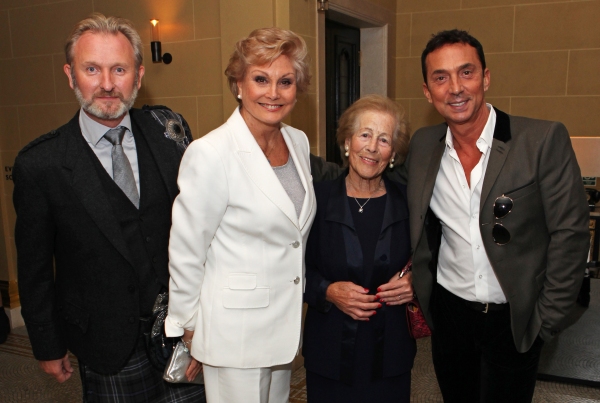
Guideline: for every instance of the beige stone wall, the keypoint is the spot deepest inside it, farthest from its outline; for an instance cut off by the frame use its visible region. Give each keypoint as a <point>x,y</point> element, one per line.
<point>543,56</point>
<point>303,20</point>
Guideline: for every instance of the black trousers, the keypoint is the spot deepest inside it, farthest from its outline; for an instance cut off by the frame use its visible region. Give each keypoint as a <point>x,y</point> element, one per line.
<point>474,355</point>
<point>395,389</point>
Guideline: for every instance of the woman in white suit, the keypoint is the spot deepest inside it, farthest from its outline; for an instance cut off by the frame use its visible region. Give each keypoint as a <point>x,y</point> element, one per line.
<point>240,224</point>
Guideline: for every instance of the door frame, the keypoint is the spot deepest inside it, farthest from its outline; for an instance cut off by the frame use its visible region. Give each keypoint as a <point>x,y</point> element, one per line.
<point>376,26</point>
<point>341,39</point>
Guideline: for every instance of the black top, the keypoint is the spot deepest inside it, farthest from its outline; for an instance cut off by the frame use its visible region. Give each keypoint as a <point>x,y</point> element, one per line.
<point>368,226</point>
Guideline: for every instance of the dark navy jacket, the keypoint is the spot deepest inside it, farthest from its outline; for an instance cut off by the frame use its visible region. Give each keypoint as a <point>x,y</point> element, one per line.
<point>334,254</point>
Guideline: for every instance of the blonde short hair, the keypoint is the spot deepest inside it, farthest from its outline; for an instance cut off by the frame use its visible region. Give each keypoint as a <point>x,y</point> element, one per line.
<point>97,23</point>
<point>348,123</point>
<point>263,46</point>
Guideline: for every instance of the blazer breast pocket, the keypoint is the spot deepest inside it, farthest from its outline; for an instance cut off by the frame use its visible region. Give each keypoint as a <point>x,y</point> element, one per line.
<point>522,191</point>
<point>243,293</point>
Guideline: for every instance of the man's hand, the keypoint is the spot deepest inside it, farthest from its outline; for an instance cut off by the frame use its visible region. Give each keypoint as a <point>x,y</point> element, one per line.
<point>60,369</point>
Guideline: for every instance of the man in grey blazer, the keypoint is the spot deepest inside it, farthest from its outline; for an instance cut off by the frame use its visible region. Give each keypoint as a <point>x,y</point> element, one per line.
<point>498,228</point>
<point>92,251</point>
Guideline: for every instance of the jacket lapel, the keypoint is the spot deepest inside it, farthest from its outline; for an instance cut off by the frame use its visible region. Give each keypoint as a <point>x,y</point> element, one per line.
<point>337,205</point>
<point>338,211</point>
<point>499,152</point>
<point>432,172</point>
<point>164,151</point>
<point>88,188</point>
<point>258,168</point>
<point>394,210</point>
<point>303,168</point>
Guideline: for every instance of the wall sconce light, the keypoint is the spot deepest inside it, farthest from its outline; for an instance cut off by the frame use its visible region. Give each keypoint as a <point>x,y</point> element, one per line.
<point>157,55</point>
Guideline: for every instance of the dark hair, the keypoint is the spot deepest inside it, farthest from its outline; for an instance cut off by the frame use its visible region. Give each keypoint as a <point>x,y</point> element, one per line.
<point>452,36</point>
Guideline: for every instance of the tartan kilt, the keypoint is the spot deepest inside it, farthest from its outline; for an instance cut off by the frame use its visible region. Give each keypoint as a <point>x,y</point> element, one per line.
<point>137,382</point>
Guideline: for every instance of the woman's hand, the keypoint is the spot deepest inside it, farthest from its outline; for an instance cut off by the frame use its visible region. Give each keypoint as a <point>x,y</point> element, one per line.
<point>397,291</point>
<point>353,300</point>
<point>193,370</point>
<point>195,366</point>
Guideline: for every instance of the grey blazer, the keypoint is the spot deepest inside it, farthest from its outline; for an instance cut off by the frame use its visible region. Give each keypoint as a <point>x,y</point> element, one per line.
<point>540,270</point>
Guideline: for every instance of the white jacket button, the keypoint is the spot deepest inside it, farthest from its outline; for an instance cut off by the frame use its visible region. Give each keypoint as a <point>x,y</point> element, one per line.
<point>296,280</point>
<point>295,244</point>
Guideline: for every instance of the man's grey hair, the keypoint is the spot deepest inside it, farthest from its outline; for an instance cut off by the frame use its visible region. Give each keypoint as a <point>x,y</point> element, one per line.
<point>99,24</point>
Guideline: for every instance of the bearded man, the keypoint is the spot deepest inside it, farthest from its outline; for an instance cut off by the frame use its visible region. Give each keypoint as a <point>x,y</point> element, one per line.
<point>93,201</point>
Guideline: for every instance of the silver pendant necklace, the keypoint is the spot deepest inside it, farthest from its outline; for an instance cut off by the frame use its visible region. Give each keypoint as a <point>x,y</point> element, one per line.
<point>360,210</point>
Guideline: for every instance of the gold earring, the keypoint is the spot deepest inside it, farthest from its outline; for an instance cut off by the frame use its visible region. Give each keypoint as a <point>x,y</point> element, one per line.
<point>391,163</point>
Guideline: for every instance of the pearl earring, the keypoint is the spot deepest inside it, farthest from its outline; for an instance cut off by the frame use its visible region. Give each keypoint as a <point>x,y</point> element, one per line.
<point>239,96</point>
<point>346,153</point>
<point>391,163</point>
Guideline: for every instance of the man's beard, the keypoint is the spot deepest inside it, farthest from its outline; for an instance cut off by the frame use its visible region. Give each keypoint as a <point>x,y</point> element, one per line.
<point>96,110</point>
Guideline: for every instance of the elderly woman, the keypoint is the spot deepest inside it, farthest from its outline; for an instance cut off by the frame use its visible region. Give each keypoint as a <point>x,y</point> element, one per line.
<point>356,343</point>
<point>240,225</point>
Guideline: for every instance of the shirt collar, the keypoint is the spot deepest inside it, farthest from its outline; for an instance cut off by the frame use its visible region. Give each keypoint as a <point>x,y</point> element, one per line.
<point>486,138</point>
<point>93,131</point>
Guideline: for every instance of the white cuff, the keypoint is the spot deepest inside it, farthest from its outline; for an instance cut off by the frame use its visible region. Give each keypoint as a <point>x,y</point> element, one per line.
<point>173,328</point>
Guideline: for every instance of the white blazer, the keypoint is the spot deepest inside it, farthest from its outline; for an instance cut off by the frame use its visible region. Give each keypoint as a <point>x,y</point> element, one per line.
<point>236,251</point>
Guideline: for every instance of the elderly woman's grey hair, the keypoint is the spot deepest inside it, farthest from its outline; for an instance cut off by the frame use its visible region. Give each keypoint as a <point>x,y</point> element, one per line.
<point>348,123</point>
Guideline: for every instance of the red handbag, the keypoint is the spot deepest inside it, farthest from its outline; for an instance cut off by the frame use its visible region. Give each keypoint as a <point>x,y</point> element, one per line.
<point>417,325</point>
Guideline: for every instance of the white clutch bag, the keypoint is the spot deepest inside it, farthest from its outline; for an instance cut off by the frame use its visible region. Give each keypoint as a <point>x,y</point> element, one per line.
<point>178,364</point>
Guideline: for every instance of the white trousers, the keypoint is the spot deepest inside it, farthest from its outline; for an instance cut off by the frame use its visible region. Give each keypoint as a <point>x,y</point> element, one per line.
<point>253,385</point>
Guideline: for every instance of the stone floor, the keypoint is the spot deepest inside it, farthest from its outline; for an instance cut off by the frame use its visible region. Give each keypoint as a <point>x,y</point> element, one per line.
<point>22,381</point>
<point>574,355</point>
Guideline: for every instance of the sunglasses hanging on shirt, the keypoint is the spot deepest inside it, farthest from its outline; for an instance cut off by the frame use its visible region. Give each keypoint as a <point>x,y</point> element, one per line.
<point>502,206</point>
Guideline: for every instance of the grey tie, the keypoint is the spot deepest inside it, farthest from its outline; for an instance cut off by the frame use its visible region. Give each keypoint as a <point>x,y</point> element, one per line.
<point>122,173</point>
